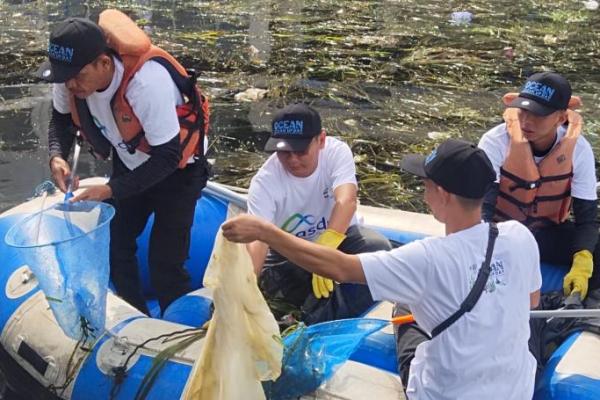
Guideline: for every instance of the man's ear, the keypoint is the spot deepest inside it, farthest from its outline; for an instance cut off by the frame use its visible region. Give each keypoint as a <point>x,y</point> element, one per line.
<point>444,195</point>
<point>321,138</point>
<point>104,60</point>
<point>563,118</point>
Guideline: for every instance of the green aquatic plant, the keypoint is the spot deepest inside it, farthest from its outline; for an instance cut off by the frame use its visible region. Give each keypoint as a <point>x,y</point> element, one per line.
<point>390,77</point>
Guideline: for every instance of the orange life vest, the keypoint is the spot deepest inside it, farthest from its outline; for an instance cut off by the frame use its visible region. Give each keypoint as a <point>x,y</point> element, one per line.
<point>134,48</point>
<point>537,195</point>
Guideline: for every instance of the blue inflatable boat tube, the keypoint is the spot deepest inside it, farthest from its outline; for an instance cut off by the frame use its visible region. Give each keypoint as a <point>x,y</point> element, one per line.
<point>114,366</point>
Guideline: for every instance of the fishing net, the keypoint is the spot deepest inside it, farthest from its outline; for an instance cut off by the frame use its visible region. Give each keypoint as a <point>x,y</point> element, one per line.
<point>66,247</point>
<point>312,355</point>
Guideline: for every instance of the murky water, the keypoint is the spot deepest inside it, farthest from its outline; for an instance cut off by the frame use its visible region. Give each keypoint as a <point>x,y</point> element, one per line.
<point>388,76</point>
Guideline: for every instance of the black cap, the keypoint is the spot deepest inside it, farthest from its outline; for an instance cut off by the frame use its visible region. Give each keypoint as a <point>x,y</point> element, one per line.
<point>459,167</point>
<point>543,94</point>
<point>293,128</point>
<point>74,43</point>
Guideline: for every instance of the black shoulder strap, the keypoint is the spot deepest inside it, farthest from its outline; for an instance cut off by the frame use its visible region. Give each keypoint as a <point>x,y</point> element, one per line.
<point>100,144</point>
<point>477,289</point>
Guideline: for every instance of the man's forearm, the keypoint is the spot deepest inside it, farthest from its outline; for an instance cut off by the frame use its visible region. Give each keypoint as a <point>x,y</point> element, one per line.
<point>586,228</point>
<point>60,135</point>
<point>163,162</point>
<point>344,208</point>
<point>321,260</point>
<point>258,253</point>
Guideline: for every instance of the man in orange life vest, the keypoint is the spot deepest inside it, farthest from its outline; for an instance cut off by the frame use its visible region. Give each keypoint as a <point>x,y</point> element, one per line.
<point>545,169</point>
<point>131,98</point>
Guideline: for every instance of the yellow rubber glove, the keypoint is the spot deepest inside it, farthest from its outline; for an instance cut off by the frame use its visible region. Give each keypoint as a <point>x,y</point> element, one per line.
<point>322,287</point>
<point>581,270</point>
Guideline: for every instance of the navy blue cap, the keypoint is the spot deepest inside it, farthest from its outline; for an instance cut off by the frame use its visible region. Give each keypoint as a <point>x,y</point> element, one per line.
<point>293,128</point>
<point>543,94</point>
<point>74,43</point>
<point>458,166</point>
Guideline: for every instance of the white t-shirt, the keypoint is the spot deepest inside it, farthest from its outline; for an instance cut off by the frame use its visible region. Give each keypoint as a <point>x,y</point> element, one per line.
<point>496,142</point>
<point>153,97</point>
<point>484,354</point>
<point>302,206</point>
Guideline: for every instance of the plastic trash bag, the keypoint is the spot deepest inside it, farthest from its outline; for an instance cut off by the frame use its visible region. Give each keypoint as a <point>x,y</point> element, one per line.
<point>242,345</point>
<point>313,354</point>
<point>66,247</point>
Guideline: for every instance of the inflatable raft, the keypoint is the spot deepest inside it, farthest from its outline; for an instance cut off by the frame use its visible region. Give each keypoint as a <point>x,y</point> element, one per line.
<point>40,362</point>
<point>38,358</point>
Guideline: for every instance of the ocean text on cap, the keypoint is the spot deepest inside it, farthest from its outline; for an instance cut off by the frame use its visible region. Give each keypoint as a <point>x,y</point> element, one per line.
<point>286,127</point>
<point>60,53</point>
<point>538,89</point>
<point>431,156</point>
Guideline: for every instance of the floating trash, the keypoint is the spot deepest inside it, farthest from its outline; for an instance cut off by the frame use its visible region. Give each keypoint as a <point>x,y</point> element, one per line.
<point>508,53</point>
<point>590,5</point>
<point>550,39</point>
<point>461,18</point>
<point>250,95</point>
<point>435,135</point>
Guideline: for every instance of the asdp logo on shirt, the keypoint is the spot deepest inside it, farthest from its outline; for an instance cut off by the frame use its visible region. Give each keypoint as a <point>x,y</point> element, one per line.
<point>304,226</point>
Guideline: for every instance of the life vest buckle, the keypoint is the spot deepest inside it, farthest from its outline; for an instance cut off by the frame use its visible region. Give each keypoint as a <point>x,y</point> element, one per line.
<point>534,184</point>
<point>133,144</point>
<point>528,185</point>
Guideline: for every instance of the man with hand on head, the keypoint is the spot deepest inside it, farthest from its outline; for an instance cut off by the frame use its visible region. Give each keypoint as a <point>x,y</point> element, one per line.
<point>131,99</point>
<point>308,188</point>
<point>471,290</point>
<point>545,169</point>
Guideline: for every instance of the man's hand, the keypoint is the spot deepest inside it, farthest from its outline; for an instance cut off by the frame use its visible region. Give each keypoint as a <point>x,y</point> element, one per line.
<point>61,172</point>
<point>574,118</point>
<point>581,270</point>
<point>511,115</point>
<point>244,228</point>
<point>94,193</point>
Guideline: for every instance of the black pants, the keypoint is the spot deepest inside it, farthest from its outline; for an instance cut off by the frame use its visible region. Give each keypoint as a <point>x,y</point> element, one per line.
<point>173,202</point>
<point>556,247</point>
<point>408,337</point>
<point>285,282</point>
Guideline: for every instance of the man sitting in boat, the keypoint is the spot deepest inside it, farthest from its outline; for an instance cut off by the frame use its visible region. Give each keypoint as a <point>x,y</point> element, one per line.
<point>308,188</point>
<point>478,354</point>
<point>545,168</point>
<point>133,99</point>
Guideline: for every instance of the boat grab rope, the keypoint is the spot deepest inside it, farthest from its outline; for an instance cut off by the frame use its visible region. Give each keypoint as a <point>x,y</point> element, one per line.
<point>189,336</point>
<point>46,187</point>
<point>85,343</point>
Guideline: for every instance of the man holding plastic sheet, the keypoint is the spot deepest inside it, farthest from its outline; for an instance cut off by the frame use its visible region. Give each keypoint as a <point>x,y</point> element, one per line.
<point>308,188</point>
<point>544,168</point>
<point>131,99</point>
<point>472,289</point>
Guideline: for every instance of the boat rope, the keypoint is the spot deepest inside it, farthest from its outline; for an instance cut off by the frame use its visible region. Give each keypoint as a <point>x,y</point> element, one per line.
<point>85,344</point>
<point>46,187</point>
<point>120,373</point>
